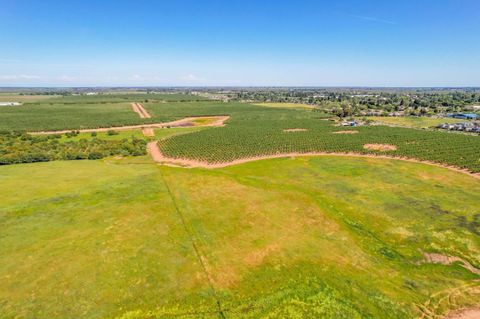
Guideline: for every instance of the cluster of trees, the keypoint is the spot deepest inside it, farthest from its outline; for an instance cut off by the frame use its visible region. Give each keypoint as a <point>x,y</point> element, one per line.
<point>17,147</point>
<point>362,102</point>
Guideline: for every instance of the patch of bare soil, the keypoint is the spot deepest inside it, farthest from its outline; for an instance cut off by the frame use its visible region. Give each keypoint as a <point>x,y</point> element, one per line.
<point>345,132</point>
<point>256,257</point>
<point>140,110</point>
<point>473,313</point>
<point>295,130</point>
<point>435,258</point>
<point>148,131</point>
<point>189,121</point>
<point>451,298</point>
<point>380,147</point>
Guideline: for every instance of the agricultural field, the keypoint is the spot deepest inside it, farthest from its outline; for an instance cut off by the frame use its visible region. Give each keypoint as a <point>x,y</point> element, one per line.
<point>286,105</point>
<point>66,116</point>
<point>413,121</point>
<point>256,132</point>
<point>104,231</point>
<point>82,115</point>
<point>304,237</point>
<point>16,97</point>
<point>118,98</point>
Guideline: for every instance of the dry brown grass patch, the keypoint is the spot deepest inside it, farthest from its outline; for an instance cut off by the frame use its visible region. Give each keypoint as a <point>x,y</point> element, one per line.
<point>346,132</point>
<point>295,130</point>
<point>380,147</point>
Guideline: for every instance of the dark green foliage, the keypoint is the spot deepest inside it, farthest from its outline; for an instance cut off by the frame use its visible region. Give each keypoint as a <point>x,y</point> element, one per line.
<point>24,148</point>
<point>112,132</point>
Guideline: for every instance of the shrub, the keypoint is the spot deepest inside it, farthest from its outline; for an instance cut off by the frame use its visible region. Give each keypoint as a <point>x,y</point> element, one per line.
<point>112,132</point>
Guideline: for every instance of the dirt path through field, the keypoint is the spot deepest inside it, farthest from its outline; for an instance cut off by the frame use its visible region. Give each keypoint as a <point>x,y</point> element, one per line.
<point>154,151</point>
<point>148,132</point>
<point>194,163</point>
<point>435,258</point>
<point>140,110</point>
<point>188,121</point>
<point>473,313</point>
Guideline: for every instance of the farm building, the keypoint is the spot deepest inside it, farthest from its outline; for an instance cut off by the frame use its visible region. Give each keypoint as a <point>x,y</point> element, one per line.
<point>464,116</point>
<point>9,103</point>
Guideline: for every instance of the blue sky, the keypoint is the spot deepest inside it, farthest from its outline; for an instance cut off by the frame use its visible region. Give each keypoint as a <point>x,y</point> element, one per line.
<point>240,43</point>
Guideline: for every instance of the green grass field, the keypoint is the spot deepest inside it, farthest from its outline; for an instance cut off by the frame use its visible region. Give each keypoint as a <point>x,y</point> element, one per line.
<point>15,97</point>
<point>287,238</point>
<point>413,121</point>
<point>286,105</point>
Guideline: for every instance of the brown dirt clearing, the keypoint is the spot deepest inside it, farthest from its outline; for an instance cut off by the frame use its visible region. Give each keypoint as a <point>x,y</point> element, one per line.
<point>436,258</point>
<point>380,147</point>
<point>148,132</point>
<point>473,313</point>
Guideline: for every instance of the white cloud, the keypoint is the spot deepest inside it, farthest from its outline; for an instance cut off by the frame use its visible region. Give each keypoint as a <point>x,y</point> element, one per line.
<point>192,78</point>
<point>67,78</point>
<point>17,77</point>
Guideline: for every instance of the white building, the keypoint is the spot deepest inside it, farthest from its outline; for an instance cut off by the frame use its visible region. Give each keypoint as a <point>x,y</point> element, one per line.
<point>9,103</point>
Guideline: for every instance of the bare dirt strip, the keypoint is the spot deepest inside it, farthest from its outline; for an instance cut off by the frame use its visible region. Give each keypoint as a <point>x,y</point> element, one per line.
<point>345,132</point>
<point>140,110</point>
<point>436,258</point>
<point>380,147</point>
<point>148,132</point>
<point>473,313</point>
<point>189,163</point>
<point>295,130</point>
<point>188,121</point>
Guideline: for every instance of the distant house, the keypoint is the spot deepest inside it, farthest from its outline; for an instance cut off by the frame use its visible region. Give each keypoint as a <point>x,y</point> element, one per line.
<point>464,116</point>
<point>349,123</point>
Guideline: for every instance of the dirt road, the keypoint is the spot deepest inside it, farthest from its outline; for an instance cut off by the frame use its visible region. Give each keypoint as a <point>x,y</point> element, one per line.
<point>140,110</point>
<point>189,121</point>
<point>194,163</point>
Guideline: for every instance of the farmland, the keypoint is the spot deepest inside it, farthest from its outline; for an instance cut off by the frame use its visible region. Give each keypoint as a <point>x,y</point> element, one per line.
<point>15,97</point>
<point>97,239</point>
<point>112,234</point>
<point>251,131</point>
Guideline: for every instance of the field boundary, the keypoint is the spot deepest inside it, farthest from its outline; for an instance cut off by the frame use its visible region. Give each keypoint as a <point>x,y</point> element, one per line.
<point>159,157</point>
<point>177,123</point>
<point>201,258</point>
